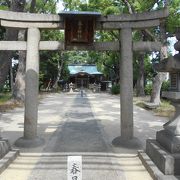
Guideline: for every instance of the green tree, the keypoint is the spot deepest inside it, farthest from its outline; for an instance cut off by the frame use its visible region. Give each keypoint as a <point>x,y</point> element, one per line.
<point>53,63</point>
<point>9,34</point>
<point>107,62</point>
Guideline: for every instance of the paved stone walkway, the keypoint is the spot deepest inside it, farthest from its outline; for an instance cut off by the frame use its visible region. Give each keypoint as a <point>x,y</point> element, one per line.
<point>75,125</point>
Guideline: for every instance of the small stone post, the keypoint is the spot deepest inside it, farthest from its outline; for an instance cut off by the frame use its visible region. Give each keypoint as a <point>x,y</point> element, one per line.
<point>71,87</point>
<point>30,138</point>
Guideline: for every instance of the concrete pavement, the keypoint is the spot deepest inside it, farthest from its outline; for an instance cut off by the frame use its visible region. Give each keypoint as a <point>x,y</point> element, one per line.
<point>75,125</point>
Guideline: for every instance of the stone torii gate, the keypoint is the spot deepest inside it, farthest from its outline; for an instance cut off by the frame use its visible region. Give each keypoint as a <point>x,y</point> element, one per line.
<point>34,22</point>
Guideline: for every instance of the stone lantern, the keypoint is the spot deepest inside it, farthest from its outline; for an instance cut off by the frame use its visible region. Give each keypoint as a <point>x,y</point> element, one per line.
<point>165,150</point>
<point>170,136</point>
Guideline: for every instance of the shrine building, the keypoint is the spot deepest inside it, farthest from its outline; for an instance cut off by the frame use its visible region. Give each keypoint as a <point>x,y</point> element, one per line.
<point>83,75</point>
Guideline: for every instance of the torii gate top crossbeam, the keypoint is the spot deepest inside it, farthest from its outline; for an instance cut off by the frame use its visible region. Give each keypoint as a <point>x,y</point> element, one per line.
<point>26,20</point>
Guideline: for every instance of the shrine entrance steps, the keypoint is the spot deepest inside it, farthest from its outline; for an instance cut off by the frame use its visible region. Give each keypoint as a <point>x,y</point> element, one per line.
<point>53,166</point>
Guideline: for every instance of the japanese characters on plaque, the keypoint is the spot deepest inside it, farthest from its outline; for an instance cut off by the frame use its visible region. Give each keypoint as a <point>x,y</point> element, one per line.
<point>74,167</point>
<point>79,31</point>
<point>79,27</point>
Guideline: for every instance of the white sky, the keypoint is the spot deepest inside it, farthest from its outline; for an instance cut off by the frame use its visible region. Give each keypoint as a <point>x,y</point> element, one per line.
<point>59,6</point>
<point>172,41</point>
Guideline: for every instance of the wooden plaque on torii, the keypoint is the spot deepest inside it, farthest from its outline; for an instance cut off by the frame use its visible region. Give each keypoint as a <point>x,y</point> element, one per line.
<point>79,27</point>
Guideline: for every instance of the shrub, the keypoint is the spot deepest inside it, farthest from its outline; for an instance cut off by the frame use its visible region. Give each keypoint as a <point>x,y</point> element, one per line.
<point>165,86</point>
<point>148,89</point>
<point>4,97</point>
<point>115,89</point>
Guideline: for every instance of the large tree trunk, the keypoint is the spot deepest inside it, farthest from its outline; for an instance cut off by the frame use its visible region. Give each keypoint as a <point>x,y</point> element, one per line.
<point>11,78</point>
<point>140,80</point>
<point>157,83</point>
<point>6,56</point>
<point>60,66</point>
<point>11,34</point>
<point>19,85</point>
<point>160,77</point>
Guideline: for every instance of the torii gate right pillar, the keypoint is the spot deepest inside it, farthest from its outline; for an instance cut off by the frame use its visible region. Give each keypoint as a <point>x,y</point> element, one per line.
<point>126,91</point>
<point>126,84</point>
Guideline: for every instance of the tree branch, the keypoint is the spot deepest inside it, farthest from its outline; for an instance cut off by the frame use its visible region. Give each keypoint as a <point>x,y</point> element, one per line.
<point>166,3</point>
<point>108,66</point>
<point>131,11</point>
<point>8,3</point>
<point>130,8</point>
<point>114,34</point>
<point>150,35</point>
<point>32,6</point>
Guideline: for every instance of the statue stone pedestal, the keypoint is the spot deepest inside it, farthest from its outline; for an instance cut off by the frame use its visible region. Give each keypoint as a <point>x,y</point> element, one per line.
<point>170,136</point>
<point>165,150</point>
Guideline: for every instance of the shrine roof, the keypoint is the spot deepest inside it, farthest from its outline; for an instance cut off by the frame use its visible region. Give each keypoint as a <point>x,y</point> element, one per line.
<point>85,68</point>
<point>79,13</point>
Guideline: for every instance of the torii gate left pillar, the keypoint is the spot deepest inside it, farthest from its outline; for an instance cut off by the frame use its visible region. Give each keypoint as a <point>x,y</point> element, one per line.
<point>30,138</point>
